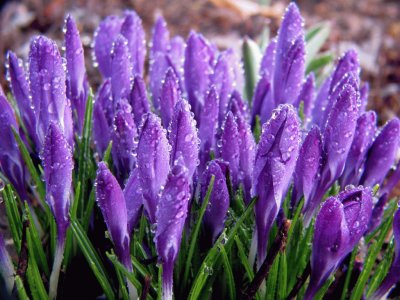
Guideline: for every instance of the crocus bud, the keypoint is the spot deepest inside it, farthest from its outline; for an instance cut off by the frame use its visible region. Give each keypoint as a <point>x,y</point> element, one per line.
<point>363,138</point>
<point>121,69</point>
<point>229,151</point>
<point>47,85</point>
<point>307,166</point>
<point>6,267</point>
<point>198,68</point>
<point>138,100</point>
<point>57,166</point>
<point>177,56</point>
<point>364,92</point>
<point>290,57</point>
<point>10,158</point>
<point>321,101</point>
<point>208,127</point>
<point>307,96</point>
<point>77,85</point>
<point>382,154</point>
<point>267,65</point>
<point>170,95</point>
<point>347,64</point>
<point>111,201</point>
<point>275,161</point>
<point>263,102</point>
<point>133,198</point>
<point>337,137</point>
<point>160,37</point>
<point>215,214</point>
<point>237,106</point>
<point>152,161</point>
<point>171,215</point>
<point>103,115</point>
<point>104,37</point>
<point>133,31</point>
<point>393,275</point>
<point>247,153</point>
<point>183,137</point>
<point>340,224</point>
<point>20,89</point>
<point>393,180</point>
<point>124,136</point>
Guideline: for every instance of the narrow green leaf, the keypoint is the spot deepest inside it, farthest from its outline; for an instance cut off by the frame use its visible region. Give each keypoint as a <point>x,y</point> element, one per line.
<point>230,280</point>
<point>22,295</point>
<point>295,221</point>
<point>159,287</point>
<point>348,273</point>
<point>92,258</point>
<point>369,261</point>
<point>282,277</point>
<point>107,154</point>
<point>89,209</point>
<point>251,58</point>
<point>316,40</point>
<point>14,219</point>
<point>257,129</point>
<point>194,237</point>
<point>321,293</point>
<point>319,62</point>
<point>272,280</point>
<point>122,288</point>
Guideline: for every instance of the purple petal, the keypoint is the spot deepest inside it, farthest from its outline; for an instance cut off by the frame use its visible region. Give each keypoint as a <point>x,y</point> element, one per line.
<point>160,37</point>
<point>138,100</point>
<point>177,56</point>
<point>58,165</point>
<point>101,130</point>
<point>170,95</point>
<point>124,136</point>
<point>275,161</point>
<point>229,147</point>
<point>111,201</point>
<point>208,127</point>
<point>393,180</point>
<point>198,68</point>
<point>121,69</point>
<point>103,41</point>
<point>382,154</point>
<point>290,57</point>
<point>348,63</point>
<point>267,65</point>
<point>307,96</point>
<point>158,68</point>
<point>261,99</point>
<point>215,214</point>
<point>133,31</point>
<point>307,166</point>
<point>171,215</point>
<point>183,137</point>
<point>363,138</point>
<point>237,106</point>
<point>133,198</point>
<point>321,101</point>
<point>20,88</point>
<point>153,161</point>
<point>364,92</point>
<point>104,96</point>
<point>47,84</point>
<point>77,85</point>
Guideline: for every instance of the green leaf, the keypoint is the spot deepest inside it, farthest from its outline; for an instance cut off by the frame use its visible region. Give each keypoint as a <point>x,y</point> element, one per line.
<point>257,129</point>
<point>282,277</point>
<point>348,273</point>
<point>322,291</point>
<point>315,40</point>
<point>159,286</point>
<point>13,216</point>
<point>194,236</point>
<point>369,261</point>
<point>319,62</point>
<point>89,209</point>
<point>92,258</point>
<point>230,280</point>
<point>251,58</point>
<point>22,295</point>
<point>107,154</point>
<point>272,280</point>
<point>214,253</point>
<point>122,288</point>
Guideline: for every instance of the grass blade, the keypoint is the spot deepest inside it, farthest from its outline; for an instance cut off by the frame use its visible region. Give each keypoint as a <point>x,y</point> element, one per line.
<point>230,280</point>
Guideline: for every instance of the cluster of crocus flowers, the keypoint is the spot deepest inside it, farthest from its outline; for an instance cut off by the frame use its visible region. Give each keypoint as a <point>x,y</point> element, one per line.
<point>192,124</point>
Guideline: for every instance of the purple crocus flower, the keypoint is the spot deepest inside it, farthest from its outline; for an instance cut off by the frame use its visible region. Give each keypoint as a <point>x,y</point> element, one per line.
<point>337,139</point>
<point>121,69</point>
<point>183,137</point>
<point>20,89</point>
<point>237,106</point>
<point>262,100</point>
<point>10,158</point>
<point>307,166</point>
<point>290,57</point>
<point>138,100</point>
<point>321,101</point>
<point>170,95</point>
<point>229,147</point>
<point>340,224</point>
<point>382,154</point>
<point>199,57</point>
<point>394,273</point>
<point>124,136</point>
<point>171,215</point>
<point>47,85</point>
<point>364,92</point>
<point>57,165</point>
<point>177,57</point>
<point>6,266</point>
<point>133,198</point>
<point>307,96</point>
<point>275,161</point>
<point>215,214</point>
<point>133,31</point>
<point>153,162</point>
<point>267,65</point>
<point>160,37</point>
<point>104,37</point>
<point>208,127</point>
<point>102,117</point>
<point>77,85</point>
<point>363,138</point>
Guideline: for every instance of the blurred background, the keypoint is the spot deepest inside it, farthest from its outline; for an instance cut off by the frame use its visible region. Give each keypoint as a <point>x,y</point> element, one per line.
<point>370,26</point>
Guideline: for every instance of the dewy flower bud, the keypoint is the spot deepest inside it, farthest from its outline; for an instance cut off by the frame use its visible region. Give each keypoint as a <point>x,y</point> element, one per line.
<point>275,161</point>
<point>153,162</point>
<point>170,95</point>
<point>267,65</point>
<point>160,37</point>
<point>307,96</point>
<point>382,154</point>
<point>133,199</point>
<point>171,215</point>
<point>121,69</point>
<point>340,224</point>
<point>138,100</point>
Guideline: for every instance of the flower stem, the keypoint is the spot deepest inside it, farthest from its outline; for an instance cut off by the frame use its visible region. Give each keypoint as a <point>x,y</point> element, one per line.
<point>55,273</point>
